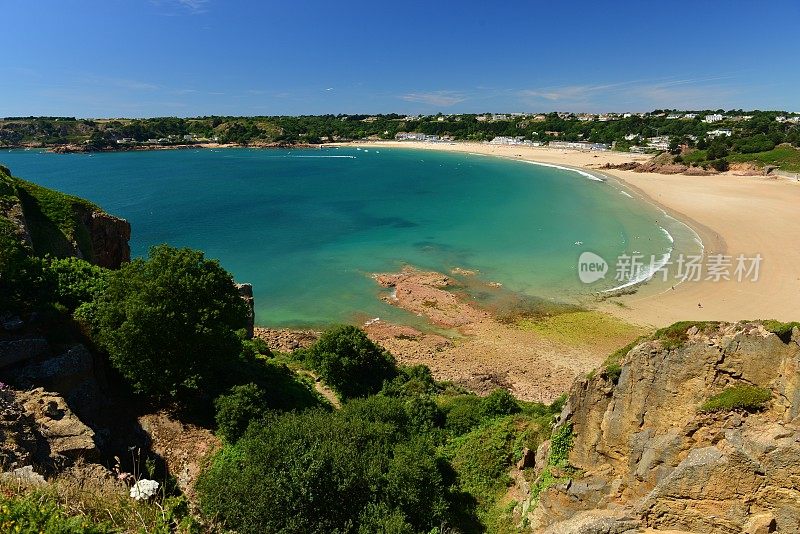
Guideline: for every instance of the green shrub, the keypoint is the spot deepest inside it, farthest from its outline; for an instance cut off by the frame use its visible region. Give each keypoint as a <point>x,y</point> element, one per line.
<point>237,409</point>
<point>424,414</point>
<point>612,372</point>
<point>252,348</point>
<point>675,335</point>
<point>327,472</point>
<point>24,284</point>
<point>169,323</point>
<point>742,397</point>
<point>720,165</point>
<point>414,380</point>
<point>350,363</point>
<point>560,445</point>
<point>499,402</point>
<point>76,281</point>
<point>379,518</point>
<point>482,459</point>
<point>462,414</point>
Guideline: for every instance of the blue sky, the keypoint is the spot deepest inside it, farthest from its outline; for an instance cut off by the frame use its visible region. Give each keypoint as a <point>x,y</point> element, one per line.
<point>140,58</point>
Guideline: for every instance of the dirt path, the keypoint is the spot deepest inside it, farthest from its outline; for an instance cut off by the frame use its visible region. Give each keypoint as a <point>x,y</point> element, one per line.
<point>322,389</point>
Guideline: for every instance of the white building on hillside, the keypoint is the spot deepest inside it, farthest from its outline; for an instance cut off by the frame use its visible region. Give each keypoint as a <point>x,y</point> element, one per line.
<point>410,136</point>
<point>716,117</point>
<point>713,134</point>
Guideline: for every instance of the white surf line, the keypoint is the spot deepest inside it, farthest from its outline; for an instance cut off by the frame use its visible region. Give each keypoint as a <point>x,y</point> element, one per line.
<point>645,275</point>
<point>348,157</point>
<point>696,237</point>
<point>554,166</point>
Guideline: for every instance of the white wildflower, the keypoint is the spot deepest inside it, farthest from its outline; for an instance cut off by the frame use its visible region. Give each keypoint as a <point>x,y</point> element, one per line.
<point>144,490</point>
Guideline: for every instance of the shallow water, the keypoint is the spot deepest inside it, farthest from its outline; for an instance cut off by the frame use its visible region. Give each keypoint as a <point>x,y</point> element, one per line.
<point>306,227</point>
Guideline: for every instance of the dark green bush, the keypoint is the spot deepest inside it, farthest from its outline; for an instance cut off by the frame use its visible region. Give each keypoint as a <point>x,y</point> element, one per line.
<point>414,380</point>
<point>235,410</point>
<point>350,363</point>
<point>741,397</point>
<point>169,323</point>
<point>328,472</point>
<point>499,402</point>
<point>23,281</point>
<point>252,348</point>
<point>720,165</point>
<point>379,518</point>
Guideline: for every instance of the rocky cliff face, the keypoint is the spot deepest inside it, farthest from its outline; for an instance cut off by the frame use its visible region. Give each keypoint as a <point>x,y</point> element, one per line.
<point>646,456</point>
<point>109,238</point>
<point>48,222</point>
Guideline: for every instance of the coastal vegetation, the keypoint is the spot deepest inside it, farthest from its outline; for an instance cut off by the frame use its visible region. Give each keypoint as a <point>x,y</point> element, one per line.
<point>403,453</point>
<point>763,137</point>
<point>398,452</point>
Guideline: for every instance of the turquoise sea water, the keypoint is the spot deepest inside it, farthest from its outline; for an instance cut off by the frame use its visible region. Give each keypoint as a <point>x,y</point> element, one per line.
<point>307,227</point>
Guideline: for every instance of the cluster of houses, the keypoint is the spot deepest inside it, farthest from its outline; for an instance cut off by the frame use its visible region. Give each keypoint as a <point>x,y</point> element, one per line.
<point>416,136</point>
<point>169,140</point>
<point>579,145</point>
<point>517,140</point>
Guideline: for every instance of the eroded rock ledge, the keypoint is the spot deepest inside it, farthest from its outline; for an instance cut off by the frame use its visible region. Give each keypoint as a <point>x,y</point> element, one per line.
<point>647,457</point>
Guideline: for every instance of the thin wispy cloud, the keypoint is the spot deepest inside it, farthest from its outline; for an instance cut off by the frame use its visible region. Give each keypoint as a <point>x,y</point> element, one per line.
<point>680,92</point>
<point>435,98</point>
<point>118,83</point>
<point>194,7</point>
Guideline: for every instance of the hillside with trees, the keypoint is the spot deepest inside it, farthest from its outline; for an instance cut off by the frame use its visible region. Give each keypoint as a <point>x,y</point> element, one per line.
<point>734,135</point>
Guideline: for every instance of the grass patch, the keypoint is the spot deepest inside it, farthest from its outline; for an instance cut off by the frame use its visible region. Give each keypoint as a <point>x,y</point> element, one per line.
<point>784,156</point>
<point>54,219</point>
<point>674,336</point>
<point>748,398</point>
<point>67,506</point>
<point>694,157</point>
<point>782,330</point>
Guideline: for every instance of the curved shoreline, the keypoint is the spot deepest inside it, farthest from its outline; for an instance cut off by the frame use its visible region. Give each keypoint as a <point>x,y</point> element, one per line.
<point>598,176</point>
<point>731,214</point>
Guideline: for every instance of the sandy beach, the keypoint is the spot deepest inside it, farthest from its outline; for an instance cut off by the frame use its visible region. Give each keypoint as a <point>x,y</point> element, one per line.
<point>732,214</point>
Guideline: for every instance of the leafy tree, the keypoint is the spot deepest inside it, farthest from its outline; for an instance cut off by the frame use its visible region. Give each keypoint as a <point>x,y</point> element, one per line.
<point>168,323</point>
<point>350,362</point>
